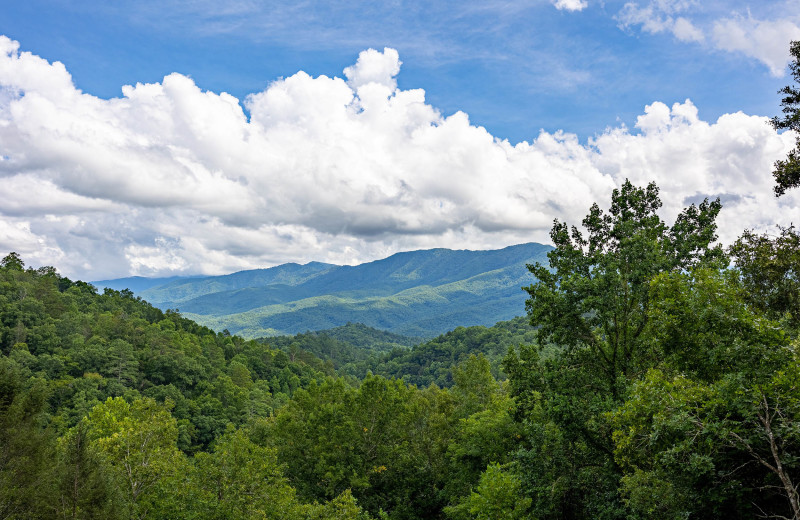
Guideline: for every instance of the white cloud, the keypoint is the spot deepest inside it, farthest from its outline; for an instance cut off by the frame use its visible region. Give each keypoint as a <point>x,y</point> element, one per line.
<point>374,67</point>
<point>35,249</point>
<point>685,31</point>
<point>690,158</point>
<point>571,5</point>
<point>764,40</point>
<point>173,179</point>
<point>660,16</point>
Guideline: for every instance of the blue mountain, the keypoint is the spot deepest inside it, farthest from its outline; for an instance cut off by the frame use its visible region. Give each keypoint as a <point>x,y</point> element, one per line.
<point>416,293</point>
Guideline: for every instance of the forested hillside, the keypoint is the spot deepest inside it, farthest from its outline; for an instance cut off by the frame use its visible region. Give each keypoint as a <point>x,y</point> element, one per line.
<point>356,350</point>
<point>658,377</point>
<point>416,293</point>
<point>346,348</point>
<point>111,408</point>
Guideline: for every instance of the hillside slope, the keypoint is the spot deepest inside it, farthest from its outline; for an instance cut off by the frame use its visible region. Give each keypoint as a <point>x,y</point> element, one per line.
<point>416,293</point>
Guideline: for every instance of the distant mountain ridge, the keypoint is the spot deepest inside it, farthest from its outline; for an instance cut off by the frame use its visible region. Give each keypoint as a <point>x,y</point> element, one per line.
<point>138,284</point>
<point>417,293</point>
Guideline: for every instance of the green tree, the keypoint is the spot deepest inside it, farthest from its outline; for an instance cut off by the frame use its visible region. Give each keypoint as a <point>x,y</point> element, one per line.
<point>488,436</point>
<point>85,485</point>
<point>385,441</point>
<point>595,295</point>
<point>770,435</point>
<point>726,449</point>
<point>241,480</point>
<point>139,441</point>
<point>707,434</point>
<point>25,446</point>
<point>702,324</point>
<point>667,456</point>
<point>122,363</point>
<point>769,267</point>
<point>593,303</point>
<point>12,261</point>
<point>343,507</point>
<point>497,497</point>
<point>475,387</point>
<point>787,171</point>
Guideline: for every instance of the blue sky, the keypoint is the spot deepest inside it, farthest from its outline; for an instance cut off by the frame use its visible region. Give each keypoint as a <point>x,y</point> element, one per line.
<point>514,67</point>
<point>183,137</point>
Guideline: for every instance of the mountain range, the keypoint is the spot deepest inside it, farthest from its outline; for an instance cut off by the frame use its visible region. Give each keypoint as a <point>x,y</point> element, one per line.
<point>415,293</point>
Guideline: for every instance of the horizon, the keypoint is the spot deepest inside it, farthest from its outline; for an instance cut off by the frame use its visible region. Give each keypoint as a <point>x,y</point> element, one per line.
<point>169,139</point>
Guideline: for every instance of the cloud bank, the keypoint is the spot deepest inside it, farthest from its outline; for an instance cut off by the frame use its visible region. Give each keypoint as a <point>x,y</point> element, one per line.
<point>169,178</point>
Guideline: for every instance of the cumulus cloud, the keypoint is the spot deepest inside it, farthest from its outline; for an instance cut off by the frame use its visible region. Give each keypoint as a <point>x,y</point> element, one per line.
<point>169,178</point>
<point>690,159</point>
<point>374,67</point>
<point>571,5</point>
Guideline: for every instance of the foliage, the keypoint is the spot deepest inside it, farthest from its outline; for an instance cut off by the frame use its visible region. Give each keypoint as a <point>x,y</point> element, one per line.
<point>402,452</point>
<point>717,450</point>
<point>102,396</point>
<point>346,346</point>
<point>148,415</point>
<point>24,446</point>
<point>704,435</point>
<point>375,440</point>
<point>596,293</point>
<point>241,480</point>
<point>787,171</point>
<point>431,362</point>
<point>88,347</point>
<point>594,303</point>
<point>770,271</point>
<point>497,498</point>
<point>702,324</point>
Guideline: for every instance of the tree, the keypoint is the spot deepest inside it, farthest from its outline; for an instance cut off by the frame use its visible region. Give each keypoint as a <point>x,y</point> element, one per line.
<point>771,435</point>
<point>787,171</point>
<point>241,480</point>
<point>139,440</point>
<point>727,449</point>
<point>769,267</point>
<point>712,431</point>
<point>593,303</point>
<point>485,437</point>
<point>497,497</point>
<point>703,324</point>
<point>121,362</point>
<point>474,385</point>
<point>595,295</point>
<point>12,261</point>
<point>84,486</point>
<point>25,447</point>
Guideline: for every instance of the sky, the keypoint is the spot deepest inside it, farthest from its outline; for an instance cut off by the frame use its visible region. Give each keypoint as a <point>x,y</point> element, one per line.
<point>161,138</point>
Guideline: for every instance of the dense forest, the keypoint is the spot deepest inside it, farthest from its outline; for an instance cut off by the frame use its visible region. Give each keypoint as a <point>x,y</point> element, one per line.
<point>356,350</point>
<point>658,378</point>
<point>111,408</point>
